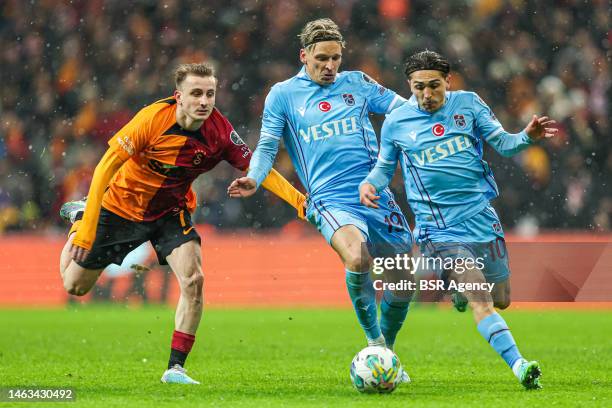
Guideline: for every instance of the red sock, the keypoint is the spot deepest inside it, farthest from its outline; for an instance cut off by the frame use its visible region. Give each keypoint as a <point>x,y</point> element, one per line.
<point>181,346</point>
<point>182,341</point>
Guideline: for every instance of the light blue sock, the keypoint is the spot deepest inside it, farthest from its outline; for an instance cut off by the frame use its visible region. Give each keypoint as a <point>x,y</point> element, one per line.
<point>393,311</point>
<point>363,296</point>
<point>495,331</point>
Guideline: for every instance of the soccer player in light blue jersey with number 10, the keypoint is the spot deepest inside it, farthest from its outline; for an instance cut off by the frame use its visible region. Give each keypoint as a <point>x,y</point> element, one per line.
<point>438,137</point>
<point>322,117</point>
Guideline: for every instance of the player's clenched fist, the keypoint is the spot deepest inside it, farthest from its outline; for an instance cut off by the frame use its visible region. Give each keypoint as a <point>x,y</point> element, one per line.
<point>368,196</point>
<point>242,187</point>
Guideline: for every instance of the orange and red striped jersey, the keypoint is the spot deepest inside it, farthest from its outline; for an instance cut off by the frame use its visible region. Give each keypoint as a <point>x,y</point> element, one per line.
<point>162,160</point>
<point>151,162</point>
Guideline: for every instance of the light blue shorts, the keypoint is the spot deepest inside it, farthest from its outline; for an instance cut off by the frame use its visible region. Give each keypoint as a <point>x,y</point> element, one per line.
<point>479,237</point>
<point>385,228</point>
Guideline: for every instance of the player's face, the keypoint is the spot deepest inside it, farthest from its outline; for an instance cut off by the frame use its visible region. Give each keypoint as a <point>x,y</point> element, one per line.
<point>429,87</point>
<point>196,96</point>
<point>323,61</point>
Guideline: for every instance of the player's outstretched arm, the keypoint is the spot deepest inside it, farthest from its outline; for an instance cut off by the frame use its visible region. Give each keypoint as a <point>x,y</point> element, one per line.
<point>540,128</point>
<point>277,184</point>
<point>259,168</point>
<point>85,235</point>
<point>509,144</point>
<point>242,187</point>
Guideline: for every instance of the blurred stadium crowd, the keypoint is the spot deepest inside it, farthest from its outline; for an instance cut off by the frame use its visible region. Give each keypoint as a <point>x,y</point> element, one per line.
<point>74,72</point>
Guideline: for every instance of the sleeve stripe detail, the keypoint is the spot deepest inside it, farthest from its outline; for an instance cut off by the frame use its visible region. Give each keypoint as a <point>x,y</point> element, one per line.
<point>264,134</point>
<point>495,133</point>
<point>393,102</point>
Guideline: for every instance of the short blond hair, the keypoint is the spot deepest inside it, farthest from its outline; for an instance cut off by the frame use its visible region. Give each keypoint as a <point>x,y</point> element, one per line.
<point>322,29</point>
<point>201,69</point>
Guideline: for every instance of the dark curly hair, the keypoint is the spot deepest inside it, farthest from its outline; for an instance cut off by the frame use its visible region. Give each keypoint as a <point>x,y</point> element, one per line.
<point>425,60</point>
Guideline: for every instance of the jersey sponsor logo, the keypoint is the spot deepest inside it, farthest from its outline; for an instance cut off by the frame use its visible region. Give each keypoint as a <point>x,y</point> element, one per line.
<point>187,231</point>
<point>459,121</point>
<point>301,110</point>
<point>497,227</point>
<point>348,99</point>
<point>325,106</point>
<point>126,144</point>
<point>166,170</point>
<point>412,135</point>
<point>438,129</point>
<point>442,150</point>
<point>235,138</point>
<point>328,129</point>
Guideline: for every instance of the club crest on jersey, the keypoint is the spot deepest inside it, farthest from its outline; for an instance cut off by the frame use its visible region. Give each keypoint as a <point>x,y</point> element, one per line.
<point>235,138</point>
<point>438,129</point>
<point>325,106</point>
<point>459,121</point>
<point>348,99</point>
<point>198,157</point>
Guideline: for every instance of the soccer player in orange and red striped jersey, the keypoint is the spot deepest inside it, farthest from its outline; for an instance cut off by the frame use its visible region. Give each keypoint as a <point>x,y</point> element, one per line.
<point>141,191</point>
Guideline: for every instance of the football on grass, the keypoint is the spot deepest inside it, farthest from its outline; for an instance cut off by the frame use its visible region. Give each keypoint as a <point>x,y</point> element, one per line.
<point>376,369</point>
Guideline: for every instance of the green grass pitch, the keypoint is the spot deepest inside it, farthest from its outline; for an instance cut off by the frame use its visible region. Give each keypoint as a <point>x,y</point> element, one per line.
<point>114,356</point>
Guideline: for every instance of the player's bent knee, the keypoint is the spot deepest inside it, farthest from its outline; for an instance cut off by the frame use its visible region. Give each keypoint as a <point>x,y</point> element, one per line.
<point>77,280</point>
<point>355,261</point>
<point>501,295</point>
<point>482,308</point>
<point>192,285</point>
<point>76,289</point>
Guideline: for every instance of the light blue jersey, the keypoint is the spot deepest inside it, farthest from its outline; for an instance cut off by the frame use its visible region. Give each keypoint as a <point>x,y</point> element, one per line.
<point>333,147</point>
<point>446,179</point>
<point>326,130</point>
<point>448,184</point>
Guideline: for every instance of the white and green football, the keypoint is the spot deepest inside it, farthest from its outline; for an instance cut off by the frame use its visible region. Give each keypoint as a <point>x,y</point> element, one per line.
<point>376,369</point>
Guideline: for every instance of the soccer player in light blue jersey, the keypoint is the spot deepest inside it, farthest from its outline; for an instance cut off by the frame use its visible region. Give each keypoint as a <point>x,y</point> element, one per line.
<point>322,117</point>
<point>438,139</point>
